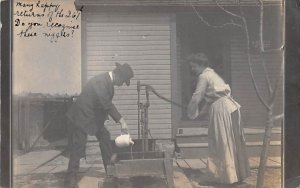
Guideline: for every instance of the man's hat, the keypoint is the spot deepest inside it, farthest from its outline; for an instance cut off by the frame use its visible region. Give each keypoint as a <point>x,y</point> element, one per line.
<point>125,72</point>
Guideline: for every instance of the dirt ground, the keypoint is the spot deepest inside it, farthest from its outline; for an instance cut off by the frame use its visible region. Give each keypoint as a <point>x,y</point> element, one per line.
<point>92,172</point>
<point>272,180</point>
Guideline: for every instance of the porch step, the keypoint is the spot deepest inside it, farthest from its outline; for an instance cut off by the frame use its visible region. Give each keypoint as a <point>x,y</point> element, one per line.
<point>200,164</point>
<point>193,141</point>
<point>200,150</point>
<point>202,138</point>
<point>199,135</point>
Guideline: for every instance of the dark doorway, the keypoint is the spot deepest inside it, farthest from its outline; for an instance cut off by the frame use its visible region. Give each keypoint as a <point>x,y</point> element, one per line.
<point>194,36</point>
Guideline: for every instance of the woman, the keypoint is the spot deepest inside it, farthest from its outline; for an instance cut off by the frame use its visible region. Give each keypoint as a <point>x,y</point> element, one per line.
<point>227,159</point>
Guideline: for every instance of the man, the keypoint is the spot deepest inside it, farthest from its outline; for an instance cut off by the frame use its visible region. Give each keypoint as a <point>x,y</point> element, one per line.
<point>88,114</point>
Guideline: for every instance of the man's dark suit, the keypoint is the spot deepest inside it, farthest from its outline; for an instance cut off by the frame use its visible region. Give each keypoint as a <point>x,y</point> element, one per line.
<point>94,104</point>
<point>87,116</point>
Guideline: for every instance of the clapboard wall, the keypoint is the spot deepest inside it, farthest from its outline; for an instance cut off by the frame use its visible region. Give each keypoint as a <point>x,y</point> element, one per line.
<point>142,41</point>
<point>254,114</point>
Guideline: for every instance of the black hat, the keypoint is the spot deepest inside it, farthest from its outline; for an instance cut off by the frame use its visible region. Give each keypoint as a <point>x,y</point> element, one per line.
<point>125,72</point>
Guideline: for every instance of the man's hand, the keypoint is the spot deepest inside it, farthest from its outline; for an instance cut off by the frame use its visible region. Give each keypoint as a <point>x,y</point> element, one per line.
<point>124,127</point>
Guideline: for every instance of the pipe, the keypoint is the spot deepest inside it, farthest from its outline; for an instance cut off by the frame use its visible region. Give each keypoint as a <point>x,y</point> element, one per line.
<point>146,118</point>
<point>138,103</point>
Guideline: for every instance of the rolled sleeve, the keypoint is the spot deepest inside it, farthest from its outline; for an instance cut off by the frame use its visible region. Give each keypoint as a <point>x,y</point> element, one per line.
<point>197,97</point>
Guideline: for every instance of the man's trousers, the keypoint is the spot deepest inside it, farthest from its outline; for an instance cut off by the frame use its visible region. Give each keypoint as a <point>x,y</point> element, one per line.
<point>77,145</point>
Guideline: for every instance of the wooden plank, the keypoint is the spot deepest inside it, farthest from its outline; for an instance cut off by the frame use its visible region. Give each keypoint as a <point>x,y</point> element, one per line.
<point>272,143</point>
<point>131,43</point>
<point>35,157</point>
<point>253,162</point>
<point>152,131</point>
<point>123,57</point>
<point>248,144</point>
<point>137,52</point>
<point>195,163</point>
<point>128,19</point>
<point>191,139</point>
<point>144,77</point>
<point>133,131</point>
<point>153,121</point>
<point>276,159</point>
<point>97,45</point>
<point>130,102</point>
<point>261,130</point>
<point>142,72</point>
<point>136,65</point>
<point>132,124</point>
<point>152,111</point>
<point>95,31</point>
<point>193,145</point>
<point>154,100</point>
<point>130,27</point>
<point>152,117</point>
<point>165,136</point>
<point>203,130</point>
<point>134,107</point>
<point>23,169</point>
<point>193,131</point>
<point>44,169</point>
<point>182,163</point>
<point>131,39</point>
<point>60,168</point>
<point>28,162</point>
<point>111,62</point>
<point>154,136</point>
<point>270,162</point>
<point>155,86</point>
<point>158,126</point>
<point>88,181</point>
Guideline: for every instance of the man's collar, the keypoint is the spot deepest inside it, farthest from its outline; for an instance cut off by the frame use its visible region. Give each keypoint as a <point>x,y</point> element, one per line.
<point>111,75</point>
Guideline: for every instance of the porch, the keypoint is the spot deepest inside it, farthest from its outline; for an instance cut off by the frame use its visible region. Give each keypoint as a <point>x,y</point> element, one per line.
<point>46,168</point>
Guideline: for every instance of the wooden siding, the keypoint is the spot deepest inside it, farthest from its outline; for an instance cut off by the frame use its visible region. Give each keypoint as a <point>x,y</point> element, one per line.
<point>254,114</point>
<point>143,41</point>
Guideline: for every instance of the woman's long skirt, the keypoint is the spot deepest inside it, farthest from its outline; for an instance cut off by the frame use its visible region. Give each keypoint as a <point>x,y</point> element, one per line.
<point>227,157</point>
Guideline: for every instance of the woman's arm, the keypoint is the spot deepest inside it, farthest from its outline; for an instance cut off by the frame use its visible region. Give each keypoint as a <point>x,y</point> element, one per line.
<point>197,97</point>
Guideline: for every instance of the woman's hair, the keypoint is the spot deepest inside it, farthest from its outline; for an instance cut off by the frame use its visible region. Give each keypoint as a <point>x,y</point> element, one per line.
<point>199,58</point>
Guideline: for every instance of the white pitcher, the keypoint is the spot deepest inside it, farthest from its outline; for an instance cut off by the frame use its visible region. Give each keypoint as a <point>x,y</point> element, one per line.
<point>123,140</point>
